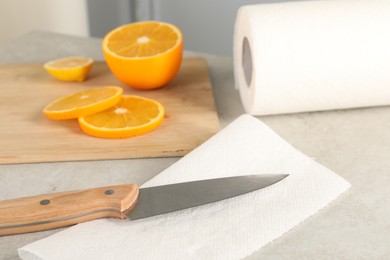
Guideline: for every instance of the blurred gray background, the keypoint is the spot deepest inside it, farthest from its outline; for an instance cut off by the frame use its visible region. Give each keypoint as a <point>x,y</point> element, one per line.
<point>207,26</point>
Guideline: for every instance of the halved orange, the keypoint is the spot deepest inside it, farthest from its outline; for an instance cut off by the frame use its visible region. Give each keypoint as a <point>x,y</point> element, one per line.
<point>70,68</point>
<point>144,55</point>
<point>132,116</point>
<point>83,103</point>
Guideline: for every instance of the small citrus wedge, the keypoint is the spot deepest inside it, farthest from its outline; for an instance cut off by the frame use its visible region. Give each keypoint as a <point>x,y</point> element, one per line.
<point>83,103</point>
<point>70,68</point>
<point>144,55</point>
<point>132,116</point>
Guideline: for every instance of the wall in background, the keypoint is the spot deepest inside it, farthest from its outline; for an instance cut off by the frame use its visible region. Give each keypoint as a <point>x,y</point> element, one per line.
<point>106,15</point>
<point>18,17</point>
<point>208,26</point>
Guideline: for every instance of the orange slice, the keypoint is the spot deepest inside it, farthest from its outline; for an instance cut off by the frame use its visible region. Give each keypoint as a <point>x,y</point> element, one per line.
<point>83,103</point>
<point>132,116</point>
<point>69,69</point>
<point>144,55</point>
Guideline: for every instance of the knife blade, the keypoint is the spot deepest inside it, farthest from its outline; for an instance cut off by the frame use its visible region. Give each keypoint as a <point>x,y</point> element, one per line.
<point>49,211</point>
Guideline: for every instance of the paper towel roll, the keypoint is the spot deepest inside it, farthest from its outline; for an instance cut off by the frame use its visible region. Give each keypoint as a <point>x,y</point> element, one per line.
<point>312,55</point>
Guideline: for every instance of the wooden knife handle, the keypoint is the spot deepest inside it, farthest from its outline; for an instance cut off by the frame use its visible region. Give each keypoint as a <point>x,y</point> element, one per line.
<point>62,209</point>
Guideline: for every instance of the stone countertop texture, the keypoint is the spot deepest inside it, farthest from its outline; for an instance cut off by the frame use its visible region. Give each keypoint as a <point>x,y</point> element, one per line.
<point>353,143</point>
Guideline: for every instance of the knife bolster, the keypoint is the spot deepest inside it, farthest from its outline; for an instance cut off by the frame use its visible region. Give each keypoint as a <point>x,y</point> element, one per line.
<point>62,209</point>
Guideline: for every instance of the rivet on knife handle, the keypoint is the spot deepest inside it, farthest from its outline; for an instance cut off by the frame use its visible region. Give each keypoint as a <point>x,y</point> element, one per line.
<point>62,209</point>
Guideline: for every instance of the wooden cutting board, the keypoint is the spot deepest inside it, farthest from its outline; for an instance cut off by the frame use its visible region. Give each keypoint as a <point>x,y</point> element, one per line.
<point>26,135</point>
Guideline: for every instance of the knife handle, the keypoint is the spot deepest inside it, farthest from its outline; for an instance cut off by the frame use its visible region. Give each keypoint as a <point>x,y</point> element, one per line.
<point>63,209</point>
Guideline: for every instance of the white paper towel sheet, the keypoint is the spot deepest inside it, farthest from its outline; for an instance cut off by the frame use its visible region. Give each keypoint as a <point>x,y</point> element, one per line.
<point>312,55</point>
<point>229,229</point>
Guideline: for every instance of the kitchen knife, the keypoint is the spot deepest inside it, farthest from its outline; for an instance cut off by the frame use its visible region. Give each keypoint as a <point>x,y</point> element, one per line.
<point>62,209</point>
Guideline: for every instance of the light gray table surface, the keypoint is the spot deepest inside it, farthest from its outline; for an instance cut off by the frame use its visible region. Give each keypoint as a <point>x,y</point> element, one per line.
<point>353,143</point>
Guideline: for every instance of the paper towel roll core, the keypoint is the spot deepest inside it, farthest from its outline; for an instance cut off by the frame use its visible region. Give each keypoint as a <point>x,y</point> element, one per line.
<point>312,55</point>
<point>247,64</point>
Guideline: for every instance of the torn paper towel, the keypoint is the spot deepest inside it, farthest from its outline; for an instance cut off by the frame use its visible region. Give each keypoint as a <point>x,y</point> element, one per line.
<point>229,229</point>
